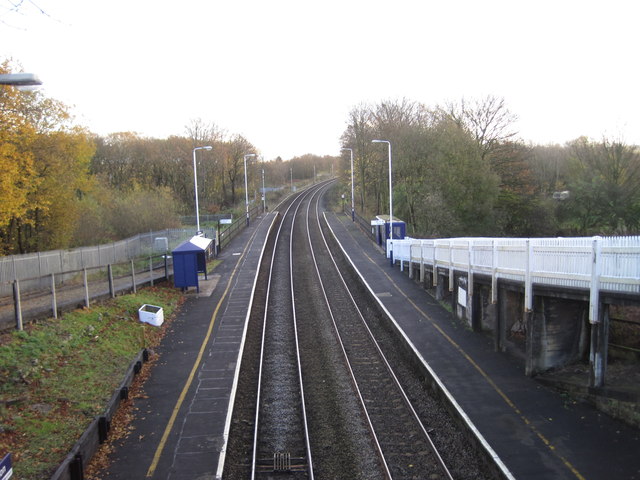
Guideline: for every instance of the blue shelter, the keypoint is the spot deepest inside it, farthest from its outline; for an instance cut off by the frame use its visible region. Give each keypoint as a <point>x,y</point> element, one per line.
<point>189,259</point>
<point>380,228</point>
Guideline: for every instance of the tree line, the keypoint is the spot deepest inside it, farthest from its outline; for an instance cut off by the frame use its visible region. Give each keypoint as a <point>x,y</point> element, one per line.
<point>62,186</point>
<point>459,170</point>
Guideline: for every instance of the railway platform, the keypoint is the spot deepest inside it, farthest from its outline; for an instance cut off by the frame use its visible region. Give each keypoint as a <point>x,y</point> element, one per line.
<point>179,421</point>
<point>537,432</point>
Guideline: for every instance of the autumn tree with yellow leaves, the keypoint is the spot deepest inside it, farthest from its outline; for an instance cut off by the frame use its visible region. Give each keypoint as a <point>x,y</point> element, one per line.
<point>44,162</point>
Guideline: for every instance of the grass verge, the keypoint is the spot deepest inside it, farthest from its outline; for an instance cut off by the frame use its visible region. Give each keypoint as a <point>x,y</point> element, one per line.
<point>57,375</point>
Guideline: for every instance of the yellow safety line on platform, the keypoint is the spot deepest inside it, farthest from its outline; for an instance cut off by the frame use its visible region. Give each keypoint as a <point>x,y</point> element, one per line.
<point>479,369</point>
<point>196,365</point>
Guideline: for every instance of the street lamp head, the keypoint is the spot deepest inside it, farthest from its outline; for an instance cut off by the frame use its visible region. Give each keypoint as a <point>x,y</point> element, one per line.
<point>380,141</point>
<point>249,155</point>
<point>20,79</point>
<point>207,147</point>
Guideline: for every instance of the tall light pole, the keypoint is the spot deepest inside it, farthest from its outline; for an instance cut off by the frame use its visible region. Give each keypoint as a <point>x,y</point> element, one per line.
<point>291,173</point>
<point>353,211</point>
<point>195,185</point>
<point>246,189</point>
<point>264,194</point>
<point>390,201</point>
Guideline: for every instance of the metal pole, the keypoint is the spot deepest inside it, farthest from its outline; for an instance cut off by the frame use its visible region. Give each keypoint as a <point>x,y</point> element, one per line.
<point>353,210</point>
<point>195,185</point>
<point>291,173</point>
<point>264,194</point>
<point>246,189</point>
<point>246,192</point>
<point>390,208</point>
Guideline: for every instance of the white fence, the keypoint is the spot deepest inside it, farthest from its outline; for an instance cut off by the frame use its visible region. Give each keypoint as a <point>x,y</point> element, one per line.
<point>590,263</point>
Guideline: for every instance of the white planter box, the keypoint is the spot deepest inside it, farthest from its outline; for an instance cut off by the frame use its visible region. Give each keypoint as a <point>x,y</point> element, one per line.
<point>151,314</point>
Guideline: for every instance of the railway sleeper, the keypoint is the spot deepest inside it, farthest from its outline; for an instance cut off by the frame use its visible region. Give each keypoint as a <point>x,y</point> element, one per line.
<point>282,462</point>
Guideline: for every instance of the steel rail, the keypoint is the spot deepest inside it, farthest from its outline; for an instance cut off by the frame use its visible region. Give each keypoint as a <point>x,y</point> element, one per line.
<point>392,374</point>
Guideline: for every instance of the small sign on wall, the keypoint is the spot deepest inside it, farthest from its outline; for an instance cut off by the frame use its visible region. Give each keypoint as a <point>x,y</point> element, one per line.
<point>462,297</point>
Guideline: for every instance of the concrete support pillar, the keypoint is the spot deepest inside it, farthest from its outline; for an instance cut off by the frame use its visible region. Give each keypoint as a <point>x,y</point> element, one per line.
<point>493,312</point>
<point>532,346</point>
<point>440,286</point>
<point>599,348</point>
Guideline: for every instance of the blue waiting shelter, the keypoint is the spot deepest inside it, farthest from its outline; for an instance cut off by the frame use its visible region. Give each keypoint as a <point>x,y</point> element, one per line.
<point>190,259</point>
<point>380,228</point>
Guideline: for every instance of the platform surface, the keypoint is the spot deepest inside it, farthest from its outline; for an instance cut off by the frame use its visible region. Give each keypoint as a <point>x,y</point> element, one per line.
<point>178,425</point>
<point>537,432</point>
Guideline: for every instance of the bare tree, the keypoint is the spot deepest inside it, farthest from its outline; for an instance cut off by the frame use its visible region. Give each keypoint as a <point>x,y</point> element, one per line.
<point>488,120</point>
<point>202,132</point>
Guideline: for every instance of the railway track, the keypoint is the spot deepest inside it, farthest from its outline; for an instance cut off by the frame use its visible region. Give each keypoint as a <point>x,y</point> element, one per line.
<point>402,442</point>
<point>281,438</point>
<point>317,396</point>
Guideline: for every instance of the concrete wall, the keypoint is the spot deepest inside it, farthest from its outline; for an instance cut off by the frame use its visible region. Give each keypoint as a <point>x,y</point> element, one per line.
<point>555,334</point>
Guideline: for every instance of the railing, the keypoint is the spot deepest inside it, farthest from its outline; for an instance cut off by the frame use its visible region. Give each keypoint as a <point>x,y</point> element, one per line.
<point>32,285</point>
<point>592,263</point>
<point>43,264</point>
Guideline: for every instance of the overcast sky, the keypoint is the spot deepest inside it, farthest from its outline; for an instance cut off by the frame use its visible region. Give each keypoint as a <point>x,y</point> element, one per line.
<point>285,74</point>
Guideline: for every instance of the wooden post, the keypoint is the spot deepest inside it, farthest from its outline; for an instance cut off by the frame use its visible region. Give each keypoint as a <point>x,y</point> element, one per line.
<point>112,290</point>
<point>133,277</point>
<point>54,302</point>
<point>86,287</point>
<point>166,268</point>
<point>16,303</point>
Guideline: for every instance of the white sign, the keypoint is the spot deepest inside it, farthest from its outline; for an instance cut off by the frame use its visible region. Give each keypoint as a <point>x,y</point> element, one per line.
<point>226,221</point>
<point>377,222</point>
<point>462,297</point>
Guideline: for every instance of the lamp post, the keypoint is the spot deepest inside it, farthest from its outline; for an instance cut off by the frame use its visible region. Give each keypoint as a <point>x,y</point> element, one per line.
<point>246,189</point>
<point>390,201</point>
<point>264,195</point>
<point>291,174</point>
<point>353,211</point>
<point>195,185</point>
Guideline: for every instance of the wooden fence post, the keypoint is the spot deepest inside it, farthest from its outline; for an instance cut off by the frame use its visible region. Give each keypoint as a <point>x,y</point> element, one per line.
<point>16,303</point>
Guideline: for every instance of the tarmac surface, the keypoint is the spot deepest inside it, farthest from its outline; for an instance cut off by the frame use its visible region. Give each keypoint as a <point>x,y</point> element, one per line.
<point>179,429</point>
